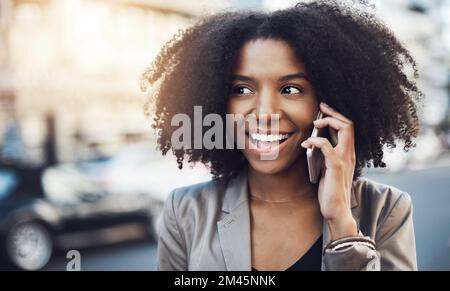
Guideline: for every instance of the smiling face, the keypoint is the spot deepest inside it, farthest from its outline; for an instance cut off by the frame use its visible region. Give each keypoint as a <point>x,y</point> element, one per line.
<point>269,79</point>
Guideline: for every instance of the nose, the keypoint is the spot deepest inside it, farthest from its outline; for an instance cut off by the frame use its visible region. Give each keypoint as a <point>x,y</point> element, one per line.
<point>267,109</point>
<point>267,103</point>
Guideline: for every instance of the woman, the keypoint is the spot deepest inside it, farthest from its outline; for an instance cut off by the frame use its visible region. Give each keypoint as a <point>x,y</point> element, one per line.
<point>260,214</point>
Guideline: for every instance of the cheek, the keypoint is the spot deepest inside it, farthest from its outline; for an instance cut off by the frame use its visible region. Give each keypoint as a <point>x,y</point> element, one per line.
<point>237,106</point>
<point>303,116</point>
<point>232,107</point>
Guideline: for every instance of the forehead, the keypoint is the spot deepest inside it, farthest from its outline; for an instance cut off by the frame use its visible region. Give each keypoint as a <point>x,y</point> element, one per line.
<point>269,57</point>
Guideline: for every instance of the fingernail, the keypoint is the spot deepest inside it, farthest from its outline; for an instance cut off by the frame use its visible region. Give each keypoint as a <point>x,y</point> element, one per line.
<point>325,104</point>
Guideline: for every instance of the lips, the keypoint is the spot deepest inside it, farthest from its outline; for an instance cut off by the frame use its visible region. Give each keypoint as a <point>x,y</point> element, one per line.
<point>269,137</point>
<point>268,142</point>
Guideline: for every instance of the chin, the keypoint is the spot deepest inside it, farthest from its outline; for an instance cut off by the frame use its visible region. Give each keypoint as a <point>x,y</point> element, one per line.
<point>271,167</point>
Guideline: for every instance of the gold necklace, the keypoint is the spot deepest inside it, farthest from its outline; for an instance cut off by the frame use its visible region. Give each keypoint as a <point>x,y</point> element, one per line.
<point>279,201</point>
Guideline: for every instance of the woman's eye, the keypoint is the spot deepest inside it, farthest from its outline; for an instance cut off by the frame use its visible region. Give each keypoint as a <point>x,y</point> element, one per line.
<point>291,90</point>
<point>241,90</point>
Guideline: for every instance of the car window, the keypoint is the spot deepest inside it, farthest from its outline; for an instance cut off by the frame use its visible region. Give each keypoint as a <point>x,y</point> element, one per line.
<point>8,182</point>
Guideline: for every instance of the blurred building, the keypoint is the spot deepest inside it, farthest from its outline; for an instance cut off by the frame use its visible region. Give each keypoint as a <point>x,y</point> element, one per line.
<point>80,61</point>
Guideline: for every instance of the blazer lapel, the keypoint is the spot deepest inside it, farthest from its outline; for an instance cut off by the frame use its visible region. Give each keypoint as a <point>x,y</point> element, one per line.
<point>234,227</point>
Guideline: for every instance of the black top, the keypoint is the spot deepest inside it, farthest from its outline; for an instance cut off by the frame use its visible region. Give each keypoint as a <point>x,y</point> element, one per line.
<point>310,261</point>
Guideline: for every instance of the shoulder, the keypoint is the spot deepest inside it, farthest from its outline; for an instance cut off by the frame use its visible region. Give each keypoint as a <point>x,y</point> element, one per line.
<point>366,189</point>
<point>190,205</point>
<point>188,210</point>
<point>198,193</point>
<point>380,204</point>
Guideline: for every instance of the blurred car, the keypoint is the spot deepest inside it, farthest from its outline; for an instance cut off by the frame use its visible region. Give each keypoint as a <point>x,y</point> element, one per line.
<point>60,208</point>
<point>140,168</point>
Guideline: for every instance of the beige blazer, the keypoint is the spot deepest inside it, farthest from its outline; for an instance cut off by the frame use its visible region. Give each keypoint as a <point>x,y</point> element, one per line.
<point>207,227</point>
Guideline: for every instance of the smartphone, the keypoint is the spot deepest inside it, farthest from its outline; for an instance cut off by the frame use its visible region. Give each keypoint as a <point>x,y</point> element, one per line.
<point>314,154</point>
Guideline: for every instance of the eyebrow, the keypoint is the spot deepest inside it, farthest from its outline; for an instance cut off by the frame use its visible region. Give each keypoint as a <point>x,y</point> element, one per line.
<point>300,75</point>
<point>242,78</point>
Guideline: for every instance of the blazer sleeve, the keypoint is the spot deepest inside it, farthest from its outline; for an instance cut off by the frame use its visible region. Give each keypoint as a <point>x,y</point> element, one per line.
<point>171,251</point>
<point>395,244</point>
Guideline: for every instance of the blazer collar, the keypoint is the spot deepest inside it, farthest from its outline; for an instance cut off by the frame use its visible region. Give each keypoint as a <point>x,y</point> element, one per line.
<point>234,227</point>
<point>236,193</point>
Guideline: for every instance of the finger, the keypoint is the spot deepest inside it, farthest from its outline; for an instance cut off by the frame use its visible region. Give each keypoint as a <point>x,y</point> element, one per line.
<point>327,109</point>
<point>334,125</point>
<point>330,121</point>
<point>322,143</point>
<point>344,135</point>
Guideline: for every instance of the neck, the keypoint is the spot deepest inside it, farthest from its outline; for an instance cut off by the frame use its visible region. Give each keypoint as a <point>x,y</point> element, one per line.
<point>290,184</point>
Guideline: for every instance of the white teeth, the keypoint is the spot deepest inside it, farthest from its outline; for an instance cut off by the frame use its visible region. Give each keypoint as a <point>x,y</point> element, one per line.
<point>268,137</point>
